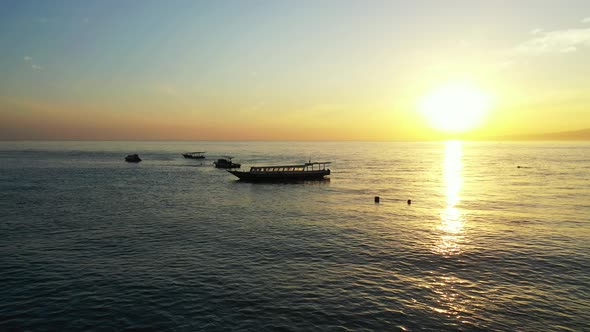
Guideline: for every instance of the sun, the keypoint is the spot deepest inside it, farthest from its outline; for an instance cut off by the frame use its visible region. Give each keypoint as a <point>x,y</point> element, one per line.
<point>455,107</point>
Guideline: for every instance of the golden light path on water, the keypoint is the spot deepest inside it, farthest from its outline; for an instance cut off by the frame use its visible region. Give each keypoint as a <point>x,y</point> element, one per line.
<point>451,225</point>
<point>451,216</point>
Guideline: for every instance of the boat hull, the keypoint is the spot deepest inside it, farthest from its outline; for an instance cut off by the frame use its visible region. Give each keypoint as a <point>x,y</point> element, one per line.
<point>232,165</point>
<point>281,176</point>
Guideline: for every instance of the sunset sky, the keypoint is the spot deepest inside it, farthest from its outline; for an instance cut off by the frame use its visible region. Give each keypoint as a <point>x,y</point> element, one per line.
<point>304,70</point>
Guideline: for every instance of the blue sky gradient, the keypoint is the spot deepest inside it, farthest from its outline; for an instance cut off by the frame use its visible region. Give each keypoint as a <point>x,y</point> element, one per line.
<point>241,62</point>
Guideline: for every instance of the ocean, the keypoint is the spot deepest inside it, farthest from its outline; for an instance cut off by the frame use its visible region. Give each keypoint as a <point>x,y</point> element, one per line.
<point>92,243</point>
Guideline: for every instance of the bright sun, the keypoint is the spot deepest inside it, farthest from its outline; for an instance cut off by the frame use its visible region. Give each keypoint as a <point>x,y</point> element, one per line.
<point>455,107</point>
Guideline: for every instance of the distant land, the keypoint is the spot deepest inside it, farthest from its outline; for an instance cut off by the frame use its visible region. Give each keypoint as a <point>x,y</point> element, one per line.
<point>579,135</point>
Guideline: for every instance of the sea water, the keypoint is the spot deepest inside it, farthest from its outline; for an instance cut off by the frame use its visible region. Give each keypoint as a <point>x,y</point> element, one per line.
<point>497,237</point>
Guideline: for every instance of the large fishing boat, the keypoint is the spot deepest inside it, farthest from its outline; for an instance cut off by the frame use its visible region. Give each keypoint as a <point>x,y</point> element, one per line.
<point>305,172</point>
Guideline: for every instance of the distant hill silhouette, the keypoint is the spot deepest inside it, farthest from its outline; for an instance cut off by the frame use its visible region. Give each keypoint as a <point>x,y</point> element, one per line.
<point>583,134</point>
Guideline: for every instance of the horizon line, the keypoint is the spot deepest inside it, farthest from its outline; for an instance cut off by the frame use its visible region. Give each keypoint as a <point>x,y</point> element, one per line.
<point>304,140</point>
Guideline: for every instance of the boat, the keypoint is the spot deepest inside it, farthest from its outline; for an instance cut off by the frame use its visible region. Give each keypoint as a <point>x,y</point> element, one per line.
<point>225,162</point>
<point>304,172</point>
<point>194,155</point>
<point>132,158</point>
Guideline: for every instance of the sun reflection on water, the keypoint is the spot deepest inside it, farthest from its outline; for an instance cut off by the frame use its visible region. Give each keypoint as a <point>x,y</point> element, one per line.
<point>452,219</point>
<point>451,228</point>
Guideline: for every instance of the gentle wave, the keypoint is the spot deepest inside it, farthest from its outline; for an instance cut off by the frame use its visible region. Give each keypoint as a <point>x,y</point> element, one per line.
<point>90,242</point>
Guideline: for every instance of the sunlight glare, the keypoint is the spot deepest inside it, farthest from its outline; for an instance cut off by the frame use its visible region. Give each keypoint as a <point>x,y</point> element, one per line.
<point>455,107</point>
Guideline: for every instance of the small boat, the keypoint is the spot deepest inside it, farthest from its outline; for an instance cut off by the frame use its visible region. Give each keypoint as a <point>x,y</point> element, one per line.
<point>194,155</point>
<point>305,172</point>
<point>225,162</point>
<point>132,158</point>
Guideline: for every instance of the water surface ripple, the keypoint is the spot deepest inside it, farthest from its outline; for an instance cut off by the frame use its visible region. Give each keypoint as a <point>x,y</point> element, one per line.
<point>90,242</point>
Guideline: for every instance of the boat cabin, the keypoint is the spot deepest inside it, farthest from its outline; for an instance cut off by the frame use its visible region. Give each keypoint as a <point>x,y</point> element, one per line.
<point>226,162</point>
<point>307,167</point>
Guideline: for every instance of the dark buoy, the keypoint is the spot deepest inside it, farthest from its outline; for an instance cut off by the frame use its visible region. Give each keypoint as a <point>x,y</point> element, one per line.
<point>409,202</point>
<point>132,158</point>
<point>518,167</point>
<point>377,199</point>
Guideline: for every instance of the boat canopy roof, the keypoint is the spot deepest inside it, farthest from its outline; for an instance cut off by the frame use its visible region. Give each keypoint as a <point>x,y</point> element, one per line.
<point>323,163</point>
<point>197,152</point>
<point>318,163</point>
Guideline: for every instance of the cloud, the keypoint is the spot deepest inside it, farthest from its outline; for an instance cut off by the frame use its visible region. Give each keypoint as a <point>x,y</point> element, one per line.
<point>36,67</point>
<point>558,41</point>
<point>586,20</point>
<point>536,31</point>
<point>28,58</point>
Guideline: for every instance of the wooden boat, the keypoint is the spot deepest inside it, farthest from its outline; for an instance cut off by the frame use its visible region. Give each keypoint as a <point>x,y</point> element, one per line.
<point>132,158</point>
<point>225,162</point>
<point>305,172</point>
<point>194,155</point>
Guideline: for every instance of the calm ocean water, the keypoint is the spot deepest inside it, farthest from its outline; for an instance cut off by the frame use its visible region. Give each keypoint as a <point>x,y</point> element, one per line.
<point>89,242</point>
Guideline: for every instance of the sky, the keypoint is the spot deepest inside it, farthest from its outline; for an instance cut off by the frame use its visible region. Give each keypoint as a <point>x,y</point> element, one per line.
<point>288,70</point>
